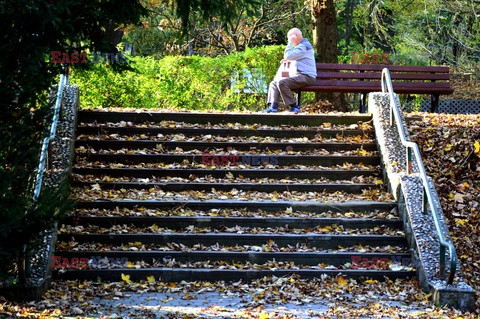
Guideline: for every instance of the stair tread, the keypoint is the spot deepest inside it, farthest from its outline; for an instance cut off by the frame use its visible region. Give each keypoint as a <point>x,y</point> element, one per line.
<point>111,143</point>
<point>224,186</point>
<point>193,274</point>
<point>154,131</point>
<point>259,118</point>
<point>231,220</point>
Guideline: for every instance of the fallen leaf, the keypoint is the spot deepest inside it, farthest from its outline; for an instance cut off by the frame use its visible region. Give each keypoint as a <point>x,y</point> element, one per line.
<point>151,279</point>
<point>126,278</point>
<point>458,197</point>
<point>342,281</point>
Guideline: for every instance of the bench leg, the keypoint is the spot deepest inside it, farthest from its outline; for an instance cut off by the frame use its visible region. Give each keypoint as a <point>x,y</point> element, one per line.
<point>299,97</point>
<point>362,106</point>
<point>434,98</point>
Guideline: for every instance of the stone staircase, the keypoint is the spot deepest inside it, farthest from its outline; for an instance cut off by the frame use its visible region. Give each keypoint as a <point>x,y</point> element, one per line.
<point>293,194</point>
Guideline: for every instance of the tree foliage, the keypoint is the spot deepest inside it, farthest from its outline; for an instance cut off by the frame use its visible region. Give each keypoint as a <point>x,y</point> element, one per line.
<point>447,31</point>
<point>267,22</point>
<point>31,30</point>
<point>225,10</point>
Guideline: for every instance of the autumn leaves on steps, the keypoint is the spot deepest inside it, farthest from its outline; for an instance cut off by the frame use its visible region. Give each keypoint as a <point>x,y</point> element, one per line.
<point>191,196</point>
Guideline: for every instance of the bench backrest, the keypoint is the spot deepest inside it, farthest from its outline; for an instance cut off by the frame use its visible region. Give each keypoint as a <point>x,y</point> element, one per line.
<point>374,72</point>
<point>366,77</point>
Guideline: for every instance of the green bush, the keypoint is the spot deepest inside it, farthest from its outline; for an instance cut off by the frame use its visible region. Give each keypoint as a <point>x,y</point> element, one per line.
<point>182,82</point>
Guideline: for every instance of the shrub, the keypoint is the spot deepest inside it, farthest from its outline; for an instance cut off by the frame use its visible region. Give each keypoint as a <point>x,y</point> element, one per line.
<point>186,82</point>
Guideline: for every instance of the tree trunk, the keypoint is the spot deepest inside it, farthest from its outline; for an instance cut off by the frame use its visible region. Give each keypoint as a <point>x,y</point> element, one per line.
<point>368,37</point>
<point>112,35</point>
<point>349,7</point>
<point>325,31</point>
<point>325,43</point>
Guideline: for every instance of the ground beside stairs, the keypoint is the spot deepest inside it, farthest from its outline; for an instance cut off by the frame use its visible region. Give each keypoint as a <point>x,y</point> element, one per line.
<point>152,218</point>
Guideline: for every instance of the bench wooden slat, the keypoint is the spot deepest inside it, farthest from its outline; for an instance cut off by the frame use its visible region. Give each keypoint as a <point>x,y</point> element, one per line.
<point>375,86</point>
<point>377,76</point>
<point>366,90</point>
<point>365,78</point>
<point>379,67</point>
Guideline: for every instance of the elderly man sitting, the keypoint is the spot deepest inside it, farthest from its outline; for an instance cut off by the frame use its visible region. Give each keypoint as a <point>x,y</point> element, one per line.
<point>300,50</point>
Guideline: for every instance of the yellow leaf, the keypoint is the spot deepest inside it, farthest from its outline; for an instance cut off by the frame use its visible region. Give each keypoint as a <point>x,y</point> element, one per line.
<point>460,222</point>
<point>363,152</point>
<point>477,147</point>
<point>426,297</point>
<point>467,185</point>
<point>274,198</point>
<point>264,316</point>
<point>394,163</point>
<point>151,278</point>
<point>126,278</point>
<point>448,147</point>
<point>378,182</point>
<point>342,281</point>
<point>371,281</point>
<point>451,196</point>
<point>130,265</point>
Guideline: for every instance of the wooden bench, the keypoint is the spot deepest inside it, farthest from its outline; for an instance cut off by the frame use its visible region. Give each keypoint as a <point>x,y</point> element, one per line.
<point>365,78</point>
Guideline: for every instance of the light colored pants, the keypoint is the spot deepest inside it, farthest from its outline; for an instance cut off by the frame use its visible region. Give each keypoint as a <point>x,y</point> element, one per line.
<point>283,87</point>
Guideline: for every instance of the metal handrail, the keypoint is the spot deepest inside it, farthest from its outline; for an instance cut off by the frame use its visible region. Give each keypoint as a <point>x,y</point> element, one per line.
<point>64,77</point>
<point>387,87</point>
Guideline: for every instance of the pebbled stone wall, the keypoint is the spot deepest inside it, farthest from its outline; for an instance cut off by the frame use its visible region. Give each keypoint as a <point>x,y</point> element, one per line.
<point>419,227</point>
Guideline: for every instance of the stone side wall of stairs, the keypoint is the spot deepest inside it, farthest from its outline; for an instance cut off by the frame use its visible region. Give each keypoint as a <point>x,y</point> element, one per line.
<point>61,159</point>
<point>419,228</point>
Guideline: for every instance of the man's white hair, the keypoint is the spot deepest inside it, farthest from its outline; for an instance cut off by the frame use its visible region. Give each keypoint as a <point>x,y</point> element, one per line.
<point>296,30</point>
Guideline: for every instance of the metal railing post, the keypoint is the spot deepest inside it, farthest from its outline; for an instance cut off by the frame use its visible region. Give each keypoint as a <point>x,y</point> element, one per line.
<point>442,262</point>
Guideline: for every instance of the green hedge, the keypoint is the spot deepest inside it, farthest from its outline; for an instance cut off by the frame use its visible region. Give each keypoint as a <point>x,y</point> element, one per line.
<point>178,81</point>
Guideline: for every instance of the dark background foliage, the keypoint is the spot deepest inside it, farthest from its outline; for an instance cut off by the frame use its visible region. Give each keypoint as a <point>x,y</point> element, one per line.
<point>30,31</point>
